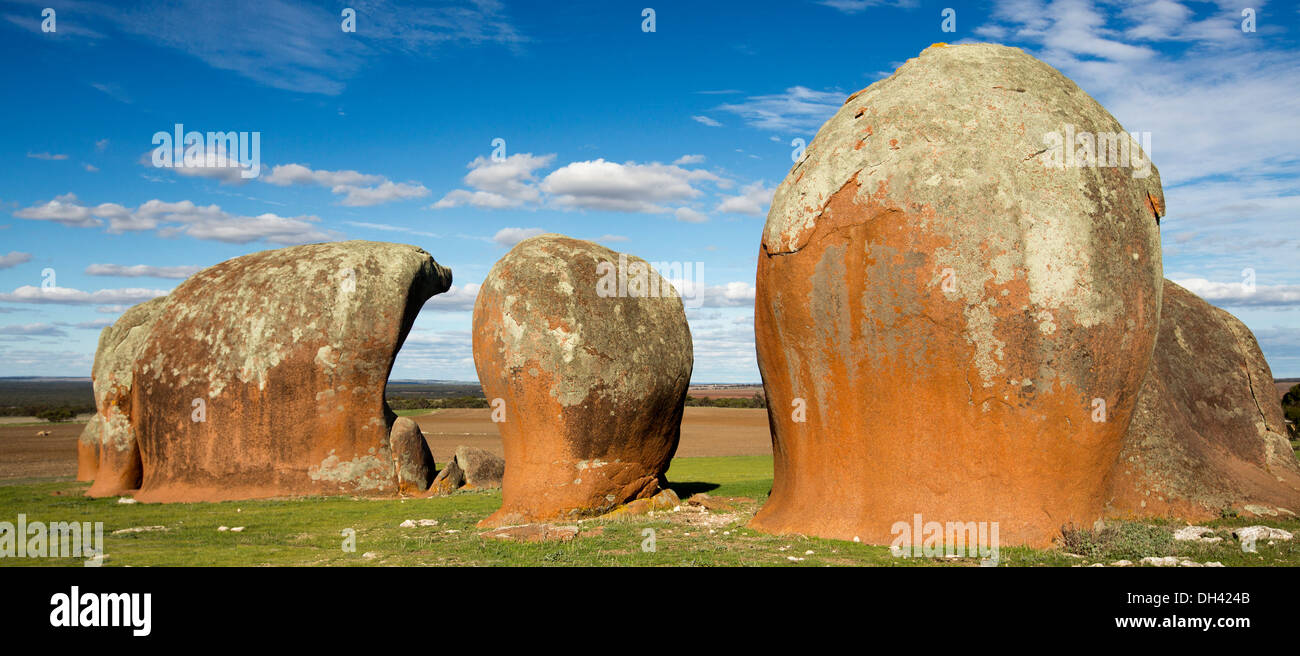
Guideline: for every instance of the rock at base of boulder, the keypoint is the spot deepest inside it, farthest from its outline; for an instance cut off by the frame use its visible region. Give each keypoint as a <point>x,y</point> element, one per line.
<point>450,479</point>
<point>1208,435</point>
<point>483,469</point>
<point>411,457</point>
<point>664,500</point>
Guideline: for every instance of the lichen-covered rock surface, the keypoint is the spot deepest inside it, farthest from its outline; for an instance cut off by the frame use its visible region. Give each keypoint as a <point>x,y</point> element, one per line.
<point>590,383</point>
<point>947,322</point>
<point>264,376</point>
<point>1208,435</point>
<point>108,452</point>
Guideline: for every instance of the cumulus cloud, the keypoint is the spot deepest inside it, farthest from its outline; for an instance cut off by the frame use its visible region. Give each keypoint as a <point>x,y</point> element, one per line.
<point>587,185</point>
<point>13,259</point>
<point>65,210</point>
<point>499,184</point>
<point>385,192</point>
<point>290,174</point>
<point>508,237</point>
<point>458,298</point>
<point>707,121</point>
<point>358,189</point>
<point>142,271</point>
<point>70,296</point>
<point>1230,294</point>
<point>688,159</point>
<point>181,218</point>
<point>689,215</point>
<point>627,187</point>
<point>753,200</point>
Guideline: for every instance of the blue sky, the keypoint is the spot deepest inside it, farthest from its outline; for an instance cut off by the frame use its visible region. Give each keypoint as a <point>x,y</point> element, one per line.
<point>667,144</point>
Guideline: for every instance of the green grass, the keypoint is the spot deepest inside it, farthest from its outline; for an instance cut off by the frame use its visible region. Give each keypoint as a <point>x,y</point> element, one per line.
<point>308,531</point>
<point>415,412</point>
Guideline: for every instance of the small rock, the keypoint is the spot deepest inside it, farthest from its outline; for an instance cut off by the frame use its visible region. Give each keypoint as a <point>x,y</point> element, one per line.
<point>237,529</point>
<point>369,554</point>
<point>1258,533</point>
<point>1195,534</point>
<point>126,500</point>
<point>1160,561</point>
<point>664,500</point>
<point>793,558</point>
<point>412,523</point>
<point>139,529</point>
<point>1122,563</point>
<point>223,528</point>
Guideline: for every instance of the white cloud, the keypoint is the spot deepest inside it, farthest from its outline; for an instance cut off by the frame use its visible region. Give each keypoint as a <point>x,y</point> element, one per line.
<point>70,296</point>
<point>798,109</point>
<point>627,187</point>
<point>386,192</point>
<point>47,156</point>
<point>508,237</point>
<point>63,209</point>
<point>142,271</point>
<point>289,174</point>
<point>184,217</point>
<point>752,200</point>
<point>13,259</point>
<point>689,215</point>
<point>499,184</point>
<point>460,298</point>
<point>707,121</point>
<point>688,159</point>
<point>33,329</point>
<point>1237,294</point>
<point>586,185</point>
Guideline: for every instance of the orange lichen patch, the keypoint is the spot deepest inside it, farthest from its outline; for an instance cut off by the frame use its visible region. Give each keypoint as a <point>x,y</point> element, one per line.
<point>940,44</point>
<point>1156,205</point>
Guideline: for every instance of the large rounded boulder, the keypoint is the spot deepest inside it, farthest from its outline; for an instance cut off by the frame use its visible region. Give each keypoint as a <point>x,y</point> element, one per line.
<point>956,305</point>
<point>1208,436</point>
<point>586,376</point>
<point>265,375</point>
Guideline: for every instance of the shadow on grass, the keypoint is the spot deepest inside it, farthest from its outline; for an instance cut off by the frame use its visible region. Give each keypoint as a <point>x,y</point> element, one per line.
<point>685,490</point>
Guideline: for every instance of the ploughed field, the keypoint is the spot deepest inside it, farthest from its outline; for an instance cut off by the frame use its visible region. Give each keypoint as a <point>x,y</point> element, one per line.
<point>705,432</point>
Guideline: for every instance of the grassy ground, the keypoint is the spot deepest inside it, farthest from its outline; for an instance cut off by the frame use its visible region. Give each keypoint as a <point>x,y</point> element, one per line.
<point>310,532</point>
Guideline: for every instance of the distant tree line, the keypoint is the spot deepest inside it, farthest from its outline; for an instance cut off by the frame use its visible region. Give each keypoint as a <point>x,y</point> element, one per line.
<point>756,401</point>
<point>48,412</point>
<point>450,402</point>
